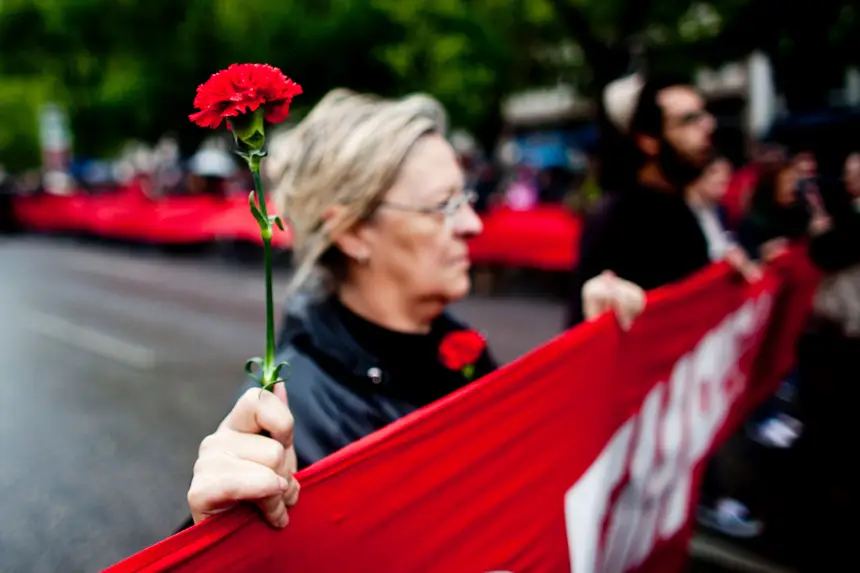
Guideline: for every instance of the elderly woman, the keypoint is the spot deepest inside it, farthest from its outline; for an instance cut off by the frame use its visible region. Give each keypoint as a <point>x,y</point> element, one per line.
<point>381,221</point>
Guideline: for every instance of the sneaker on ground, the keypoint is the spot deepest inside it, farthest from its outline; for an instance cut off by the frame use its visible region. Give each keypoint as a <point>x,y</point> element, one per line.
<point>779,432</point>
<point>730,517</point>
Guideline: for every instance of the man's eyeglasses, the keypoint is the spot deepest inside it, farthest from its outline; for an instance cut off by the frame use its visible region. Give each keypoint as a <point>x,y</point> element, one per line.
<point>691,118</point>
<point>448,208</point>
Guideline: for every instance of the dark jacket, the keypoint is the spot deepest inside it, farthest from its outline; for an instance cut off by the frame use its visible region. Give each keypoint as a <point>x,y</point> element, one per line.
<point>646,236</point>
<point>348,378</point>
<point>838,248</point>
<point>759,227</point>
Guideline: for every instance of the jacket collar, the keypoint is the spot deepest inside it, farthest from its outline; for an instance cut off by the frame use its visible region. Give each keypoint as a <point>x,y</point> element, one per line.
<point>316,322</point>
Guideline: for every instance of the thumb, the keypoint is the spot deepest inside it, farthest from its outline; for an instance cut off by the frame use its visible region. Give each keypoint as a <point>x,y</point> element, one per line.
<point>280,390</point>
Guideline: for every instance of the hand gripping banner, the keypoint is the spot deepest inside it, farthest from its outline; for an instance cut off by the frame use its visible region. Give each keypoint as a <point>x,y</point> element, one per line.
<point>584,456</point>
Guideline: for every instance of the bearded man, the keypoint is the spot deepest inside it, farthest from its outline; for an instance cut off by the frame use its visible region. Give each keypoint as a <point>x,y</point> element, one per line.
<point>642,229</point>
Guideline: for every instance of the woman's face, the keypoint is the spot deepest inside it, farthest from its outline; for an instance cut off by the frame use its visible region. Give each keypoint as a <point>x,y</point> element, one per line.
<point>786,187</point>
<point>715,181</point>
<point>417,238</point>
<point>852,175</point>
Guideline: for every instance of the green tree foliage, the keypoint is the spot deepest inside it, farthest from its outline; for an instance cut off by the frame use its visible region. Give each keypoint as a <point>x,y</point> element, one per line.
<point>127,69</point>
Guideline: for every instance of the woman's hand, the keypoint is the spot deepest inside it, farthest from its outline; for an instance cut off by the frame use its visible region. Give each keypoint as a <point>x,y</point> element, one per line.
<point>820,224</point>
<point>237,463</point>
<point>773,249</point>
<point>741,263</point>
<point>608,292</point>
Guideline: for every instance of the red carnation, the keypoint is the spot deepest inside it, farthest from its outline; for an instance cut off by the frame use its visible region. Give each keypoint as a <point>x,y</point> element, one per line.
<point>461,349</point>
<point>243,88</point>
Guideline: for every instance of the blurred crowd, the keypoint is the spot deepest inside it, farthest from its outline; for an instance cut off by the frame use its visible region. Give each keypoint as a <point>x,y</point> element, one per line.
<point>158,171</point>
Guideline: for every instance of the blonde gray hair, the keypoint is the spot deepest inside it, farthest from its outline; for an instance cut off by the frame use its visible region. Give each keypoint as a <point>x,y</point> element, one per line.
<point>348,151</point>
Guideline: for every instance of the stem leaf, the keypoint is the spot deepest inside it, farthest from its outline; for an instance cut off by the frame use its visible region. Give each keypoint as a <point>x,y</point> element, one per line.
<point>249,366</point>
<point>276,374</point>
<point>255,211</point>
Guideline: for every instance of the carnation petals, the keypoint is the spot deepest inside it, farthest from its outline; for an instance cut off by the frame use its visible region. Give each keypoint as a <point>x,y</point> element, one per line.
<point>243,88</point>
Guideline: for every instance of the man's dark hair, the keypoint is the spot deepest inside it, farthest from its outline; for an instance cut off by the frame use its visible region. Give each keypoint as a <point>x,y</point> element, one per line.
<point>620,158</point>
<point>648,117</point>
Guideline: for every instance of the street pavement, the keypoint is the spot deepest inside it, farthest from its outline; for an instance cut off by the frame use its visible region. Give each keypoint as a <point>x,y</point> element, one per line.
<point>116,362</point>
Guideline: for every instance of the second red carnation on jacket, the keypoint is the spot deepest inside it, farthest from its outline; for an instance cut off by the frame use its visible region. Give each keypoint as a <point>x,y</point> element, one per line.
<point>461,348</point>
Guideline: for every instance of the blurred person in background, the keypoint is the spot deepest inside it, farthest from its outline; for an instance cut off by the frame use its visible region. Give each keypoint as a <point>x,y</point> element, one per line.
<point>555,184</point>
<point>381,218</point>
<point>486,184</point>
<point>59,183</point>
<point>705,198</point>
<point>209,171</point>
<point>663,224</point>
<point>7,188</point>
<point>806,165</point>
<point>522,193</point>
<point>830,370</point>
<point>843,201</point>
<point>718,510</point>
<point>781,212</point>
<point>744,181</point>
<point>851,176</point>
<point>786,209</point>
<point>30,183</point>
<point>643,231</point>
<point>168,177</point>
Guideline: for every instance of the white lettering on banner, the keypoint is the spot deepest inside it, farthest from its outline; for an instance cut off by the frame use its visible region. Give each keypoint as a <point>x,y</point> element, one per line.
<point>657,450</point>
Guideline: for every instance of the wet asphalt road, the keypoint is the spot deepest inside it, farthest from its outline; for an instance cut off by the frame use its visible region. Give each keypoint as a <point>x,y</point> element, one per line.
<point>115,365</point>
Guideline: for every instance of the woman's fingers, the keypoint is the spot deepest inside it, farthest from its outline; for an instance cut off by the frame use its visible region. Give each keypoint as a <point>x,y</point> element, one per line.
<point>260,411</point>
<point>737,258</point>
<point>291,496</point>
<point>220,482</point>
<point>249,447</point>
<point>238,463</point>
<point>607,291</point>
<point>629,303</point>
<point>597,295</point>
<point>274,509</point>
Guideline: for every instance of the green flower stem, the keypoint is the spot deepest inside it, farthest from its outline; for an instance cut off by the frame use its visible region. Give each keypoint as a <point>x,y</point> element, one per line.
<point>266,232</point>
<point>269,372</point>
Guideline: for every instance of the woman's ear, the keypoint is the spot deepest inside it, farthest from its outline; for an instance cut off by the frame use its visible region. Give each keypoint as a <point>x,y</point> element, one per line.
<point>348,241</point>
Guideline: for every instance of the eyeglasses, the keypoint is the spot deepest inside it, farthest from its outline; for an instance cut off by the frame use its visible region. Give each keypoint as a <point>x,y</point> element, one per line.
<point>449,208</point>
<point>692,117</point>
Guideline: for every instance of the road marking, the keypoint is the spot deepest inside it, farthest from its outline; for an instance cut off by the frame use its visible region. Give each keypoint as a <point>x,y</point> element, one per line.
<point>91,340</point>
<point>709,549</point>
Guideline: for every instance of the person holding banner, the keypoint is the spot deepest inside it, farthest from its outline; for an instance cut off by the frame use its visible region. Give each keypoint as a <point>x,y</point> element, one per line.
<point>705,197</point>
<point>643,230</point>
<point>660,225</point>
<point>782,211</point>
<point>381,219</point>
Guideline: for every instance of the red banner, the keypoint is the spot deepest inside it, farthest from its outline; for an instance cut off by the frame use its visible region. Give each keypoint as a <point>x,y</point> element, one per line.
<point>545,237</point>
<point>583,456</point>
